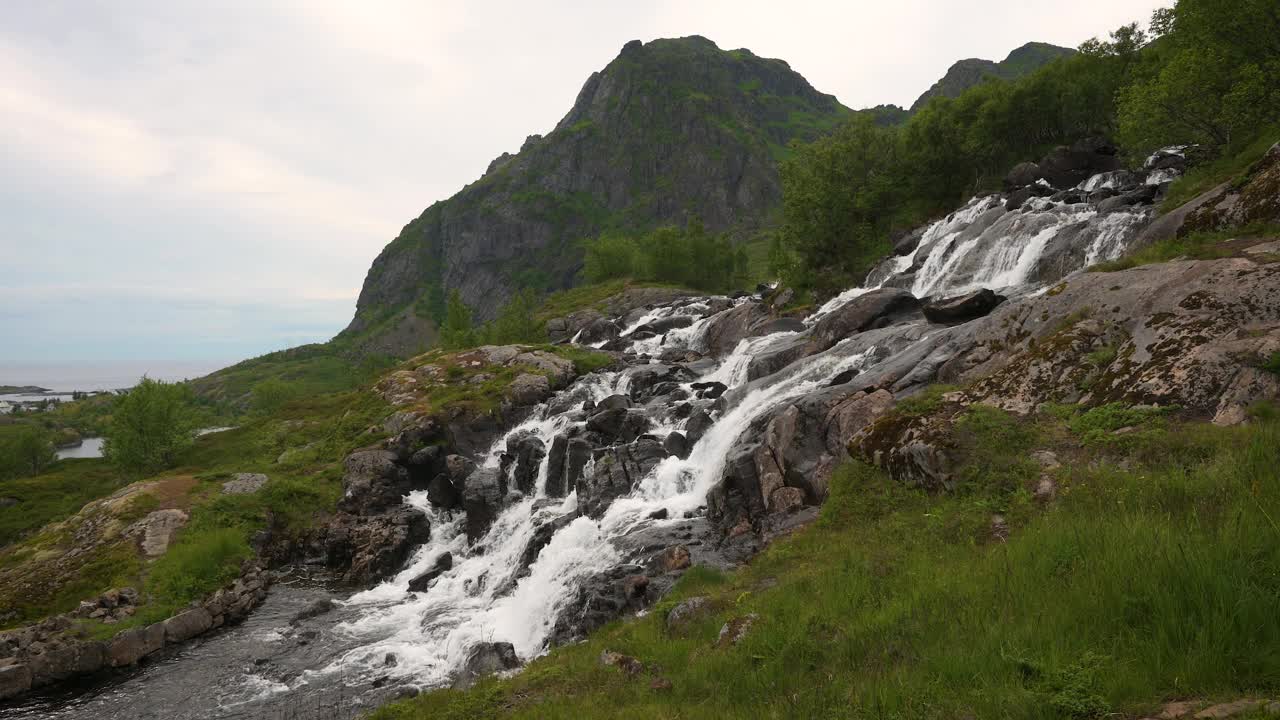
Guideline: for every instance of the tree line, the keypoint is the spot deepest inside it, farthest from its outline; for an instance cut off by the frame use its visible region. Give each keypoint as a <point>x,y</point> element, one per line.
<point>1205,72</point>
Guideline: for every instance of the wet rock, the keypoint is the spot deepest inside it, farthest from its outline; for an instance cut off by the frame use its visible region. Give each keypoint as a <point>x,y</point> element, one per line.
<point>613,402</point>
<point>557,485</point>
<point>442,564</point>
<point>15,679</point>
<point>777,357</point>
<point>962,308</point>
<point>661,514</point>
<point>529,389</point>
<point>873,309</point>
<point>620,424</point>
<point>315,609</point>
<point>666,324</point>
<point>674,559</point>
<point>907,242</point>
<point>373,482</point>
<point>697,425</point>
<point>187,625</point>
<point>485,659</point>
<point>442,493</point>
<point>542,536</point>
<point>617,471</point>
<point>724,331</point>
<point>524,455</point>
<point>1066,167</point>
<point>786,324</point>
<point>132,645</point>
<point>600,330</point>
<point>369,548</point>
<point>244,484</point>
<point>676,444</point>
<point>1022,174</point>
<point>682,614</point>
<point>483,496</point>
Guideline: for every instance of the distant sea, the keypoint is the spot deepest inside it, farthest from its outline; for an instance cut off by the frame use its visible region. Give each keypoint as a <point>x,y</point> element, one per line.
<point>101,376</point>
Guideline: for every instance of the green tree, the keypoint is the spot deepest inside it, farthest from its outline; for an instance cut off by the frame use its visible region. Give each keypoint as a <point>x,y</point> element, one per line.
<point>270,395</point>
<point>150,425</point>
<point>609,257</point>
<point>839,195</point>
<point>457,332</point>
<point>26,450</point>
<point>516,322</point>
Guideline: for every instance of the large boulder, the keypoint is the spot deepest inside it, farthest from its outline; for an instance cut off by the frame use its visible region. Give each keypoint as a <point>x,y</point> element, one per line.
<point>874,309</point>
<point>1065,167</point>
<point>132,645</point>
<point>485,659</point>
<point>370,548</point>
<point>373,482</point>
<point>1021,175</point>
<point>483,496</point>
<point>617,471</point>
<point>15,679</point>
<point>523,459</point>
<point>529,389</point>
<point>962,308</point>
<point>723,332</point>
<point>598,331</point>
<point>186,625</point>
<point>619,424</point>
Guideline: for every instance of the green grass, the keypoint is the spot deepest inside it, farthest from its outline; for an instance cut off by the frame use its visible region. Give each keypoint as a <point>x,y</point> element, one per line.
<point>1230,166</point>
<point>1197,246</point>
<point>1144,581</point>
<point>308,370</point>
<point>57,494</point>
<point>1272,365</point>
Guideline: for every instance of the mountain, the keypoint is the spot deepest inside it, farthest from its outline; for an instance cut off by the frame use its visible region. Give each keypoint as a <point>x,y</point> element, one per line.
<point>670,130</point>
<point>968,73</point>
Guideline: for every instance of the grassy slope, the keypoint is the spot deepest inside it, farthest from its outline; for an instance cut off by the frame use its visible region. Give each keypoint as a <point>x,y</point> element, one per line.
<point>1154,575</point>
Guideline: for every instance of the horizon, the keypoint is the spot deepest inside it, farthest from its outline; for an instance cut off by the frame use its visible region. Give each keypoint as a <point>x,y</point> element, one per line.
<point>174,200</point>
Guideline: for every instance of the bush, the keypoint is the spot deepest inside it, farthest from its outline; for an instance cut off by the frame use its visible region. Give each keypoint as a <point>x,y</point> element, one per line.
<point>272,394</point>
<point>689,256</point>
<point>26,449</point>
<point>150,425</point>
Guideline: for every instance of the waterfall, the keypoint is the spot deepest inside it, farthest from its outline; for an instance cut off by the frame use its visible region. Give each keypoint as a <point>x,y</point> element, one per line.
<point>485,597</point>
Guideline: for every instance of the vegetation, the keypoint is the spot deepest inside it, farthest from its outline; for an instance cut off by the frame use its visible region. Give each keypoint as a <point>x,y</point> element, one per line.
<point>308,370</point>
<point>53,495</point>
<point>151,424</point>
<point>1154,575</point>
<point>1206,73</point>
<point>690,257</point>
<point>26,448</point>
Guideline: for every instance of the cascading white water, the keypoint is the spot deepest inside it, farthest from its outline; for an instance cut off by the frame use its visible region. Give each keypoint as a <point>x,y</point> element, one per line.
<point>480,598</point>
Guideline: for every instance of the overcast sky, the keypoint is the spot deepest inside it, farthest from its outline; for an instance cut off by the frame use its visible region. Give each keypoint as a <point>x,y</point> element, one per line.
<point>196,181</point>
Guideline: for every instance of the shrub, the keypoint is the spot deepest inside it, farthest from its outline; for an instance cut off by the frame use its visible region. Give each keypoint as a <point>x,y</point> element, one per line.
<point>150,425</point>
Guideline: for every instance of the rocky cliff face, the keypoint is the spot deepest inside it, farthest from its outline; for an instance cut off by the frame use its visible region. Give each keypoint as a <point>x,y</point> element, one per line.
<point>669,130</point>
<point>968,73</point>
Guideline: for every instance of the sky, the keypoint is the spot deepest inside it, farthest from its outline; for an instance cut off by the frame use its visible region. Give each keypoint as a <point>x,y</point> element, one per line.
<point>195,183</point>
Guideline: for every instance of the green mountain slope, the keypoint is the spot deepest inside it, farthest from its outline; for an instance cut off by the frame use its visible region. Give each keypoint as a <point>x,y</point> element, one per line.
<point>968,73</point>
<point>669,130</point>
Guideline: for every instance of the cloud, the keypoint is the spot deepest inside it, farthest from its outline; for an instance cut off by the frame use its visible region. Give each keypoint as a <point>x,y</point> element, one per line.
<point>217,177</point>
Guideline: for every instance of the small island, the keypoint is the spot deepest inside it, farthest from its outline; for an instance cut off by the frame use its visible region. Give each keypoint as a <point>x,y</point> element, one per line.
<point>23,390</point>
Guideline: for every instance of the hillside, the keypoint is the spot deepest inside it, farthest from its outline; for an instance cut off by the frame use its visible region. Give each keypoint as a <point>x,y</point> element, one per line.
<point>965,74</point>
<point>670,130</point>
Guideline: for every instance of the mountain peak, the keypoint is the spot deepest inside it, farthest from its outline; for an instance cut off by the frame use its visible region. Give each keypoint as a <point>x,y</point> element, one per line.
<point>967,73</point>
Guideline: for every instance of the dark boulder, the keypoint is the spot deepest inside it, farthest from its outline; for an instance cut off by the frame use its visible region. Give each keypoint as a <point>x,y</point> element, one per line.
<point>1144,195</point>
<point>617,471</point>
<point>724,331</point>
<point>485,659</point>
<point>373,482</point>
<point>698,424</point>
<point>621,424</point>
<point>556,466</point>
<point>483,495</point>
<point>1066,167</point>
<point>443,493</point>
<point>962,308</point>
<point>906,243</point>
<point>613,402</point>
<point>1021,175</point>
<point>709,390</point>
<point>666,324</point>
<point>676,444</point>
<point>600,330</point>
<point>522,459</point>
<point>442,564</point>
<point>874,309</point>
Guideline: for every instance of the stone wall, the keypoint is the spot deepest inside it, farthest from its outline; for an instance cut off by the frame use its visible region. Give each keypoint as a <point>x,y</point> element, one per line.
<point>58,648</point>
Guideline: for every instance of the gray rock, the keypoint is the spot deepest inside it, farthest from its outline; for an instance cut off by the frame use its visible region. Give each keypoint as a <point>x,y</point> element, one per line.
<point>873,309</point>
<point>529,389</point>
<point>156,530</point>
<point>482,498</point>
<point>962,308</point>
<point>485,659</point>
<point>315,609</point>
<point>15,679</point>
<point>186,625</point>
<point>244,484</point>
<point>443,564</point>
<point>688,610</point>
<point>132,645</point>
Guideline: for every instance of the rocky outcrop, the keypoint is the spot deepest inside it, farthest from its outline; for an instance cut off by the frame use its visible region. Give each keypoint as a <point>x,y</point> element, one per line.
<point>57,649</point>
<point>670,129</point>
<point>962,308</point>
<point>1254,199</point>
